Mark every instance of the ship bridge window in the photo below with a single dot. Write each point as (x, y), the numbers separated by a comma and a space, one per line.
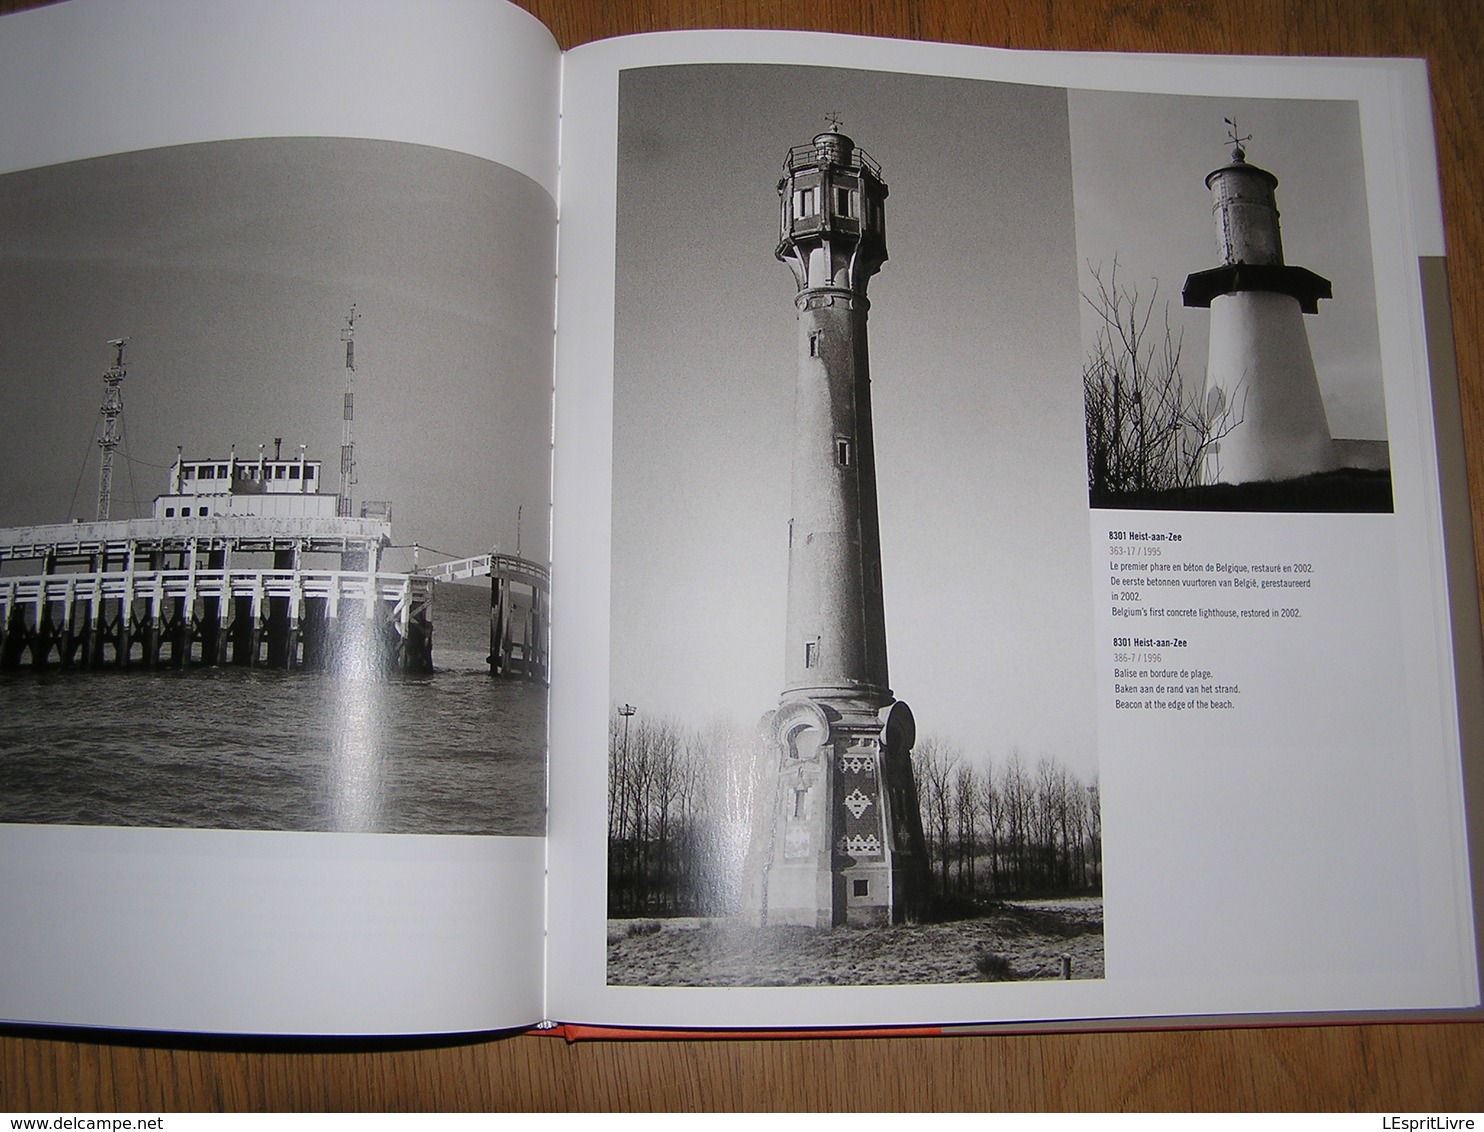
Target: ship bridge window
(221, 471)
(294, 472)
(169, 512)
(185, 512)
(205, 511)
(208, 473)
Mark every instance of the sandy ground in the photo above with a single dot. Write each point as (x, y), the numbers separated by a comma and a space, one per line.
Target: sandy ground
(1016, 940)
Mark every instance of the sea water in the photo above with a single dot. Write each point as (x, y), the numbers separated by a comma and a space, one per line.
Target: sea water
(234, 748)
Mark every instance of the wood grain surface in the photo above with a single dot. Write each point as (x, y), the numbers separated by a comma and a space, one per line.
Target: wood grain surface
(1426, 1066)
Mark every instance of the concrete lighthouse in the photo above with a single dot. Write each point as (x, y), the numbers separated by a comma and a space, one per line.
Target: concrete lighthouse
(838, 838)
(1262, 397)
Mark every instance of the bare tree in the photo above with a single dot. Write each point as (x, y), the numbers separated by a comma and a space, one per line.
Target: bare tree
(1146, 429)
(966, 811)
(679, 799)
(992, 806)
(933, 764)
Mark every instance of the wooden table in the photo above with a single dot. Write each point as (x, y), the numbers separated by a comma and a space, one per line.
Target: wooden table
(1376, 1067)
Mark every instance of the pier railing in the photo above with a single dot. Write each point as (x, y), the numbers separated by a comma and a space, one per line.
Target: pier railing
(116, 539)
(520, 601)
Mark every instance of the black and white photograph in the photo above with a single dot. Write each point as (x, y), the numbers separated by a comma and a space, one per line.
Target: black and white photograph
(1231, 354)
(852, 734)
(274, 489)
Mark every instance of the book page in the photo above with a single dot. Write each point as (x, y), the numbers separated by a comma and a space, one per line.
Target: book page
(275, 506)
(900, 711)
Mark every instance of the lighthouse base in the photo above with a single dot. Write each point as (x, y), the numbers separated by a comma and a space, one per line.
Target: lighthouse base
(838, 838)
(1261, 404)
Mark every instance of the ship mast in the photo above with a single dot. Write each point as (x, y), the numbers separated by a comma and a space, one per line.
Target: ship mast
(347, 439)
(111, 411)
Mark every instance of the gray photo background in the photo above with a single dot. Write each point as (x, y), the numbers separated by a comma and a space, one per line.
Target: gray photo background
(975, 362)
(1139, 164)
(231, 267)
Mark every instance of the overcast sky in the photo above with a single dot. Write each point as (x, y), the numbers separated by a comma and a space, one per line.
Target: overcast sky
(1140, 163)
(975, 351)
(231, 267)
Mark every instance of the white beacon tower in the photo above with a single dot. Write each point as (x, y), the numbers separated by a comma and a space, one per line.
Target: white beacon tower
(1262, 394)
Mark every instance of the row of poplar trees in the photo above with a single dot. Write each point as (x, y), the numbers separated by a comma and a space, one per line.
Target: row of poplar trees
(680, 803)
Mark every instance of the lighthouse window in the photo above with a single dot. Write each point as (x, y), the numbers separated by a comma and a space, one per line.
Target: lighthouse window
(811, 653)
(814, 337)
(842, 201)
(842, 451)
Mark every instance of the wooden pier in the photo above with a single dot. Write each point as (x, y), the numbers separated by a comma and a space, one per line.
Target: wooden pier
(520, 609)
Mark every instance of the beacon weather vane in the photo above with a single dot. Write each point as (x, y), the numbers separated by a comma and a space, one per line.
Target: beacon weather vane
(1238, 152)
(835, 121)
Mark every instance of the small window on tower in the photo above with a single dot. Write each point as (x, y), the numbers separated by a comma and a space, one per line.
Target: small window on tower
(814, 337)
(811, 653)
(842, 201)
(861, 888)
(843, 455)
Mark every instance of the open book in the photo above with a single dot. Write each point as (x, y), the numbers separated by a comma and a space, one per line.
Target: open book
(375, 659)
